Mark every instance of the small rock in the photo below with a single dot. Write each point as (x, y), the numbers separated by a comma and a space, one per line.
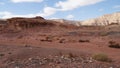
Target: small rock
(90, 61)
(17, 67)
(27, 45)
(58, 67)
(29, 58)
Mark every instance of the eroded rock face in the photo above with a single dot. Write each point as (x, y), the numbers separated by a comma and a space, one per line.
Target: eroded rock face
(104, 20)
(2, 24)
(24, 23)
(19, 23)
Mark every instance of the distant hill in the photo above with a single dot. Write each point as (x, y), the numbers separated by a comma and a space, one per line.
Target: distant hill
(103, 20)
(20, 23)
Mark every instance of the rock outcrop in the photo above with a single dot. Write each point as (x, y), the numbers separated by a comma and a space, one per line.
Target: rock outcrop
(20, 23)
(3, 24)
(24, 23)
(104, 20)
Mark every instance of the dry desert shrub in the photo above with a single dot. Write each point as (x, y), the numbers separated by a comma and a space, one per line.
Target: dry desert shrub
(71, 55)
(68, 55)
(81, 40)
(1, 55)
(62, 41)
(101, 57)
(113, 44)
(47, 39)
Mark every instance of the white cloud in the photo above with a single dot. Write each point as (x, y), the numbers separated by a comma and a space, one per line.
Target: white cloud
(6, 14)
(70, 17)
(116, 6)
(54, 18)
(18, 1)
(72, 4)
(47, 11)
(67, 5)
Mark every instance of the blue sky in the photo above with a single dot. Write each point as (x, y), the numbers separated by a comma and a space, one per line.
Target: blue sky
(65, 9)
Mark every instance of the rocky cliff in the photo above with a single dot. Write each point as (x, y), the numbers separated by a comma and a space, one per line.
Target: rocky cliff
(3, 23)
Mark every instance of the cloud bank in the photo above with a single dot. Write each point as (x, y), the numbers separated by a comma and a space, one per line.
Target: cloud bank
(61, 6)
(72, 4)
(19, 1)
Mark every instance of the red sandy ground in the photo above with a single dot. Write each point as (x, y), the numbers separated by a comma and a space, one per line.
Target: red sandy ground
(27, 44)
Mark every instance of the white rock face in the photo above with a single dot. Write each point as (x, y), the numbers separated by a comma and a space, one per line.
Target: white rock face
(104, 20)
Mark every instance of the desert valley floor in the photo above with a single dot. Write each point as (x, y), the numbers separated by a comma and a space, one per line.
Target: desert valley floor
(40, 43)
(58, 48)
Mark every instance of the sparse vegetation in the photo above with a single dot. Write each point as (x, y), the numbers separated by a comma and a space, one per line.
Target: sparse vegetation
(101, 57)
(81, 40)
(1, 54)
(70, 55)
(27, 45)
(48, 39)
(62, 41)
(42, 40)
(9, 53)
(113, 44)
(39, 43)
(103, 34)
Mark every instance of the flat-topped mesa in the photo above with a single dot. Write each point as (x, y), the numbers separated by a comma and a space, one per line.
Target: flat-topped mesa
(25, 20)
(19, 23)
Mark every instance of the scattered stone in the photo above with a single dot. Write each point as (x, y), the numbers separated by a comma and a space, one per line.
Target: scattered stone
(57, 62)
(62, 41)
(9, 53)
(27, 45)
(1, 54)
(58, 67)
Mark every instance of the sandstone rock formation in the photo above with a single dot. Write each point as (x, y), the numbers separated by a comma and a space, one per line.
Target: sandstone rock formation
(20, 23)
(3, 24)
(24, 23)
(104, 20)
